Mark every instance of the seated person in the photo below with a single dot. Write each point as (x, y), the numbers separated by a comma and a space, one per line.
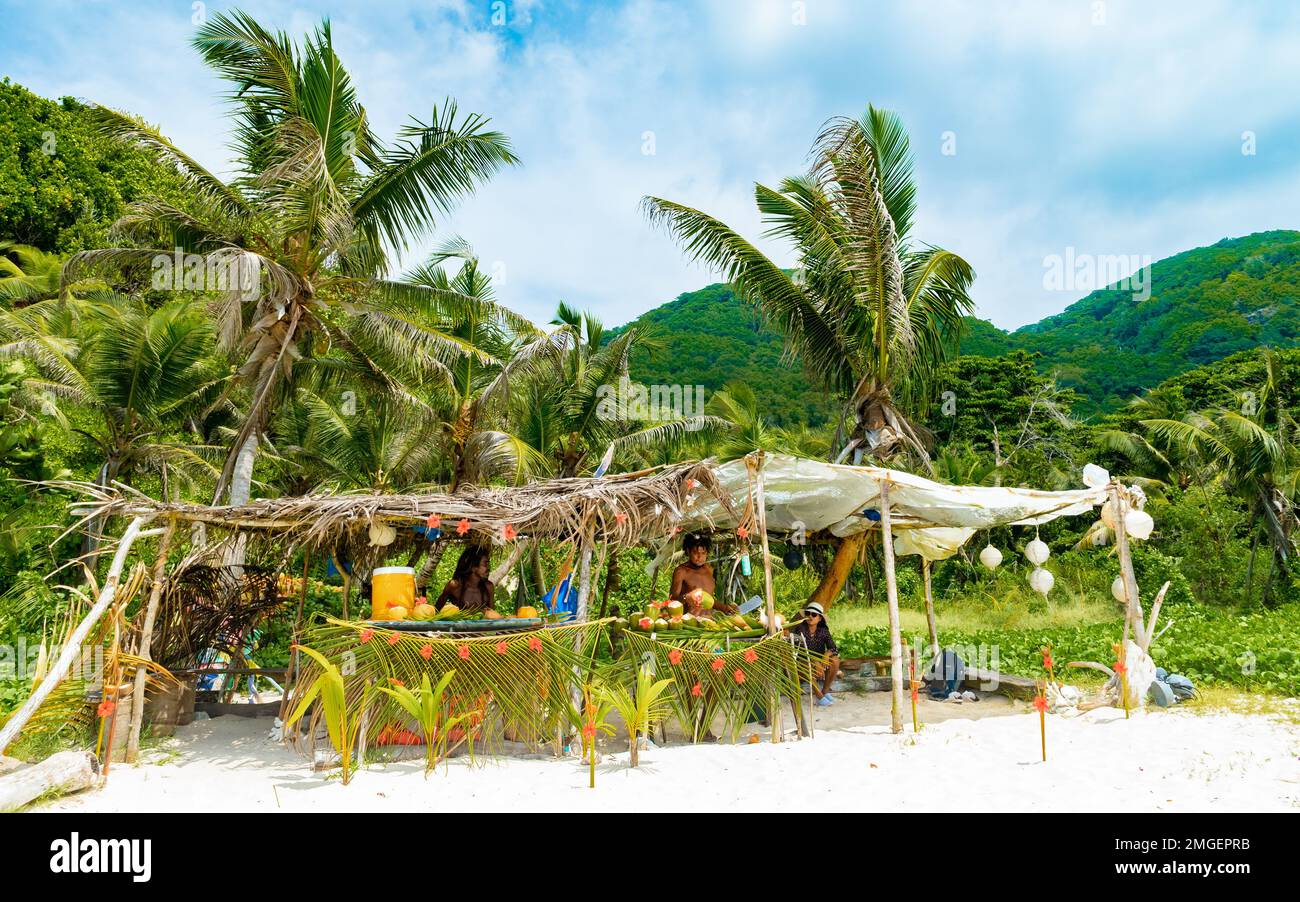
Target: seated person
(817, 634)
(695, 574)
(469, 588)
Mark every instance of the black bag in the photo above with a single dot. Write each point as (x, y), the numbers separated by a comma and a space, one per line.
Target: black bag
(946, 674)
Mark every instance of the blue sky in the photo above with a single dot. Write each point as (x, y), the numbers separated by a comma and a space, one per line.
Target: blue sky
(1108, 127)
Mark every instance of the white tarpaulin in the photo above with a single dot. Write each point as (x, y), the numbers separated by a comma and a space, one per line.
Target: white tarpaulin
(809, 496)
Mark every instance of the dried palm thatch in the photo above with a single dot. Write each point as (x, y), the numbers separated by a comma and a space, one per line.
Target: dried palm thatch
(622, 509)
(205, 607)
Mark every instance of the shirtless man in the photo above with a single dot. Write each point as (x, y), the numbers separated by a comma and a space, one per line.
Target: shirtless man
(696, 573)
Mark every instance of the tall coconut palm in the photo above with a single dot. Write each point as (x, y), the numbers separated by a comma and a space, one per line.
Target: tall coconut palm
(870, 312)
(317, 205)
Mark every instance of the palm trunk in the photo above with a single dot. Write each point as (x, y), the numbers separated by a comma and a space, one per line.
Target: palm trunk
(846, 555)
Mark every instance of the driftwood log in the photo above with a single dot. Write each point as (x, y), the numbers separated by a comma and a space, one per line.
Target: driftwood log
(63, 772)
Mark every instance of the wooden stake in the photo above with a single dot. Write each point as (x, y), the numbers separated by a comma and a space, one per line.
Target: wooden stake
(929, 609)
(146, 642)
(891, 591)
(72, 648)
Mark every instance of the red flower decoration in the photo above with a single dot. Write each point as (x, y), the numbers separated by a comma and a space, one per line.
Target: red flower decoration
(434, 521)
(915, 694)
(534, 643)
(502, 647)
(675, 657)
(742, 532)
(426, 652)
(674, 531)
(1040, 704)
(394, 638)
(366, 636)
(1119, 667)
(621, 518)
(718, 664)
(589, 731)
(395, 681)
(750, 656)
(508, 532)
(738, 676)
(106, 707)
(462, 527)
(696, 690)
(690, 483)
(463, 651)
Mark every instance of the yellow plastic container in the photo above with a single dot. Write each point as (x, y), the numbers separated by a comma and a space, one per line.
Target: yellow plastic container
(390, 586)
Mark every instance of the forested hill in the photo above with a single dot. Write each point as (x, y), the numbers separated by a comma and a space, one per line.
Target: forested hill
(1204, 305)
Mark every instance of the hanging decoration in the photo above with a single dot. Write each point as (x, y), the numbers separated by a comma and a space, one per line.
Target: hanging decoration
(382, 534)
(1041, 581)
(1037, 551)
(990, 557)
(1117, 590)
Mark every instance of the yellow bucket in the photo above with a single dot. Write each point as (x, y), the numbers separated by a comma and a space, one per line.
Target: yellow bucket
(390, 586)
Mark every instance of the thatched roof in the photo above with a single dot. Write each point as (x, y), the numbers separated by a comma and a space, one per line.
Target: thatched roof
(622, 509)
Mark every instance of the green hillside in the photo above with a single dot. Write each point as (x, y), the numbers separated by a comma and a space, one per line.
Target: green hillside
(1205, 304)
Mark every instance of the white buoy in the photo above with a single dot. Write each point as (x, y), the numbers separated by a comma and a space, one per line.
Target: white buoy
(381, 533)
(1138, 524)
(990, 557)
(1117, 590)
(1041, 581)
(1037, 552)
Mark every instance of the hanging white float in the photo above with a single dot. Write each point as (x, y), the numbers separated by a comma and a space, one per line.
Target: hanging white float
(1138, 524)
(1117, 590)
(1041, 581)
(990, 557)
(381, 533)
(1037, 552)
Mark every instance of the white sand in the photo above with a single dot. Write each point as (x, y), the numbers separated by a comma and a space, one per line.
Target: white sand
(1173, 760)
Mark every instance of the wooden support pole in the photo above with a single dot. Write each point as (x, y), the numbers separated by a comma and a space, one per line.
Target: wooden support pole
(929, 609)
(146, 643)
(891, 590)
(769, 591)
(1133, 608)
(72, 649)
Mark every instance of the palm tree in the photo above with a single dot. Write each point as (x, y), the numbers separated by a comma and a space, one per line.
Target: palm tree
(137, 371)
(1251, 453)
(29, 274)
(316, 206)
(869, 312)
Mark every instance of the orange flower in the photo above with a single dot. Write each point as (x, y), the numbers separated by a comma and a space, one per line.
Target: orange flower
(742, 532)
(395, 681)
(462, 527)
(690, 484)
(463, 651)
(508, 532)
(738, 676)
(534, 643)
(426, 652)
(675, 657)
(366, 636)
(621, 518)
(502, 647)
(718, 664)
(750, 656)
(696, 690)
(915, 694)
(434, 521)
(1119, 667)
(1040, 704)
(106, 707)
(589, 731)
(394, 638)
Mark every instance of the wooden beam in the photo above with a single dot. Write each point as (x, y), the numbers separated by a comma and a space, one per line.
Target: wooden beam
(891, 589)
(760, 510)
(146, 643)
(1133, 607)
(72, 649)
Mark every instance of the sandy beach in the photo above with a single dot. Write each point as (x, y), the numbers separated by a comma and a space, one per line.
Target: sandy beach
(976, 756)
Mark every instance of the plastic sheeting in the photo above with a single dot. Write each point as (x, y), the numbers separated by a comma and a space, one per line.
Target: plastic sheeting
(807, 496)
